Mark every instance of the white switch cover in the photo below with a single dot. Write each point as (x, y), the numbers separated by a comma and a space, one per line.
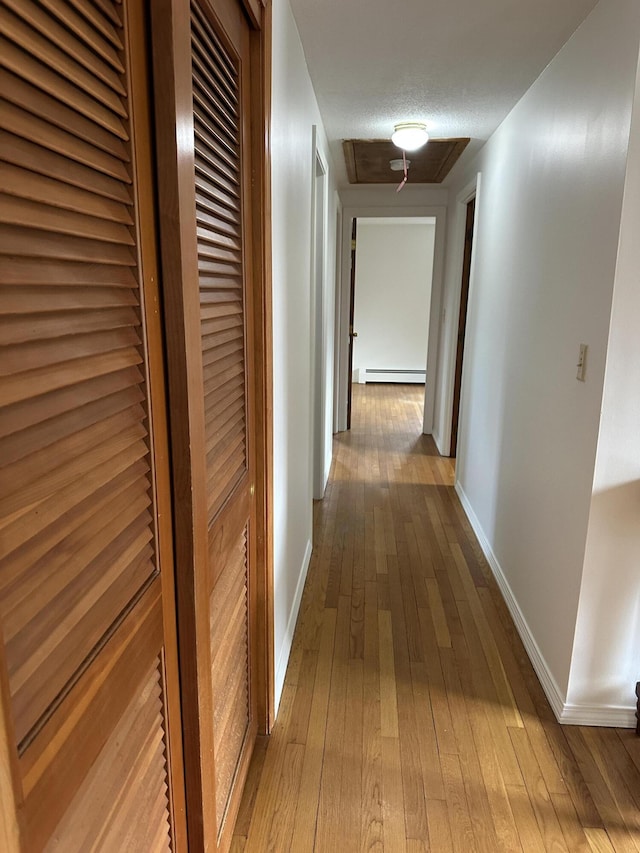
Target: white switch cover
(582, 362)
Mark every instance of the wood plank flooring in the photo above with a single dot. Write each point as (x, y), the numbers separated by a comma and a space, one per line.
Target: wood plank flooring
(411, 719)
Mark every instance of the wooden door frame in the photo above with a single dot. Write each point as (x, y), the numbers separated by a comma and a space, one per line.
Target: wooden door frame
(352, 307)
(462, 322)
(342, 310)
(317, 284)
(173, 97)
(469, 191)
(261, 47)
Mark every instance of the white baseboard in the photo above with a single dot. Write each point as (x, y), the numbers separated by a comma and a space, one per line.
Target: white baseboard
(611, 716)
(569, 714)
(285, 650)
(438, 442)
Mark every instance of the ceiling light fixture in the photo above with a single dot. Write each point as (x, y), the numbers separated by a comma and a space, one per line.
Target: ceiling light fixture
(410, 135)
(398, 164)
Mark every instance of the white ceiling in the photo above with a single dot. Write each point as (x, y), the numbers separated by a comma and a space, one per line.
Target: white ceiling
(458, 65)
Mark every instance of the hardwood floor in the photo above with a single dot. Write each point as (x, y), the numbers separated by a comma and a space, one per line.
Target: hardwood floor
(411, 719)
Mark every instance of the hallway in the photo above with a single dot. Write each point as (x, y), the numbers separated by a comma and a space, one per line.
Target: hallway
(411, 718)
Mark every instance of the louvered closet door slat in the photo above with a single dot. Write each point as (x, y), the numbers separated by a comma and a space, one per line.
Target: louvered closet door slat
(220, 70)
(13, 241)
(57, 518)
(23, 330)
(102, 13)
(218, 215)
(214, 114)
(78, 25)
(24, 184)
(217, 145)
(39, 436)
(222, 335)
(16, 211)
(209, 219)
(224, 396)
(213, 132)
(74, 294)
(42, 162)
(68, 43)
(212, 185)
(46, 108)
(76, 280)
(62, 63)
(211, 313)
(221, 238)
(215, 204)
(222, 330)
(71, 147)
(224, 87)
(222, 64)
(229, 642)
(79, 551)
(203, 170)
(39, 75)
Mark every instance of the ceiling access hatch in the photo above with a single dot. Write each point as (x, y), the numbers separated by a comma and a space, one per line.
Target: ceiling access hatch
(368, 160)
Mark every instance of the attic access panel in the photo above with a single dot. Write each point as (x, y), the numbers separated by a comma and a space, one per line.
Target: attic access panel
(368, 160)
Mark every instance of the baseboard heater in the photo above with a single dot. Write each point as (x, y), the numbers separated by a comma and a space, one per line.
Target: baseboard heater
(384, 375)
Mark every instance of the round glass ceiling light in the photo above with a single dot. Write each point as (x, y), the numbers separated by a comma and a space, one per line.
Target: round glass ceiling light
(410, 135)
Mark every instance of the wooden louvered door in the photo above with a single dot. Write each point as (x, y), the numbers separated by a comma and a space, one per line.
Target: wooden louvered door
(90, 746)
(203, 75)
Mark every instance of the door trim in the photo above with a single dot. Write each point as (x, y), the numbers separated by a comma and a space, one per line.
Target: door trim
(261, 49)
(462, 322)
(450, 327)
(318, 291)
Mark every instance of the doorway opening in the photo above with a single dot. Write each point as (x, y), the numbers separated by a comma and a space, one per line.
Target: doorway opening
(343, 337)
(390, 301)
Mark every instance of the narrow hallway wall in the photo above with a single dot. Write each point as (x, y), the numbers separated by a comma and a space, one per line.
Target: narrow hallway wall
(549, 213)
(295, 112)
(606, 656)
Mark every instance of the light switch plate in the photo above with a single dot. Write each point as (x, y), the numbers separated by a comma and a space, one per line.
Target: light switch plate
(582, 363)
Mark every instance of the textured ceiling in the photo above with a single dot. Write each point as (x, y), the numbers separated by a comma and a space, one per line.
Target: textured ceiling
(458, 65)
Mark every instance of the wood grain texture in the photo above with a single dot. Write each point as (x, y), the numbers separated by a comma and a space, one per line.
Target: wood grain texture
(204, 70)
(104, 814)
(171, 35)
(230, 662)
(367, 160)
(62, 589)
(86, 574)
(409, 703)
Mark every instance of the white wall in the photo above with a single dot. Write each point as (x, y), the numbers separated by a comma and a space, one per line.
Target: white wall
(548, 217)
(394, 267)
(606, 658)
(294, 114)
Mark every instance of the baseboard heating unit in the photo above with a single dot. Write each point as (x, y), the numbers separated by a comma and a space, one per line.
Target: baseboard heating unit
(383, 375)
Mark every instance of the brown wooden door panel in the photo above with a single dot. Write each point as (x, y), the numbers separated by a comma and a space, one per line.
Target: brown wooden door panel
(59, 764)
(88, 652)
(203, 81)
